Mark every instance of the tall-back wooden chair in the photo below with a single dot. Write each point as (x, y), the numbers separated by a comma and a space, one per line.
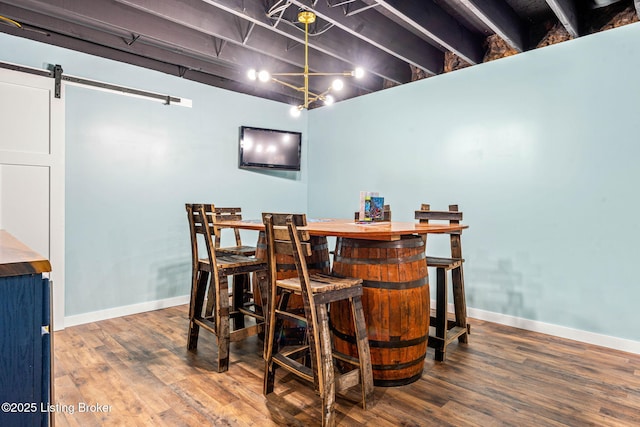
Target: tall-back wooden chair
(445, 330)
(212, 271)
(242, 293)
(312, 360)
(230, 214)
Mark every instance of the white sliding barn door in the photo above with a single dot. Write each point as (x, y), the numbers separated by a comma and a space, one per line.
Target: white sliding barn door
(32, 171)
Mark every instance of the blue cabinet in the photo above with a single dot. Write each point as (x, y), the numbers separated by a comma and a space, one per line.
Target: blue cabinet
(25, 351)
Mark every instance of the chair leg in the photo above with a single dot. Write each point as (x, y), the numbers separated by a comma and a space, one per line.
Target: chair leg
(441, 314)
(364, 355)
(211, 301)
(222, 323)
(198, 287)
(459, 302)
(270, 341)
(195, 278)
(326, 375)
(262, 282)
(240, 283)
(269, 377)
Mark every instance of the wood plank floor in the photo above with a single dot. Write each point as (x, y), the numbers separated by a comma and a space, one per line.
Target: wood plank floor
(139, 366)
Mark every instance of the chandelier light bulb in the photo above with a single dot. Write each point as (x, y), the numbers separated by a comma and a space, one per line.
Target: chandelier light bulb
(307, 17)
(295, 111)
(264, 76)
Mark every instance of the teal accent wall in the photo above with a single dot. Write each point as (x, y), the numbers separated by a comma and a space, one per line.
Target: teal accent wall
(132, 164)
(541, 152)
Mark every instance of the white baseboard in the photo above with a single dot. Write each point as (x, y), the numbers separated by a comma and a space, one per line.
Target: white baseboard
(110, 313)
(551, 329)
(489, 316)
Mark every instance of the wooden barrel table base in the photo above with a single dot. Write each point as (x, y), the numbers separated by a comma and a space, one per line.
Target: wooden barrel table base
(396, 303)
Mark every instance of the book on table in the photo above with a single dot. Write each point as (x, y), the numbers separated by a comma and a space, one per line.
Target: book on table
(371, 207)
(376, 209)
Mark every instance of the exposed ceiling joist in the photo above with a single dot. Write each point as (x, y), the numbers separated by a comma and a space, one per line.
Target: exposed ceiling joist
(394, 40)
(349, 50)
(217, 41)
(152, 30)
(565, 10)
(433, 24)
(96, 42)
(272, 51)
(143, 56)
(502, 20)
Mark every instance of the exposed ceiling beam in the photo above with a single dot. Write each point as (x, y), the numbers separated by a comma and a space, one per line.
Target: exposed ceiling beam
(434, 24)
(116, 19)
(119, 20)
(356, 52)
(216, 41)
(149, 29)
(502, 20)
(95, 42)
(242, 32)
(250, 45)
(375, 29)
(566, 12)
(161, 66)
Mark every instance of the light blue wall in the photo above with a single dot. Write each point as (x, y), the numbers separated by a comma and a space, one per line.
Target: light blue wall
(131, 165)
(541, 152)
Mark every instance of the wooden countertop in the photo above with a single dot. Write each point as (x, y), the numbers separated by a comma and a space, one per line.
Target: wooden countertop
(389, 230)
(17, 259)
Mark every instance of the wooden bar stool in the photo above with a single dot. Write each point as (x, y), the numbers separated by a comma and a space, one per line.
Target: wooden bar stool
(241, 284)
(447, 330)
(213, 271)
(312, 360)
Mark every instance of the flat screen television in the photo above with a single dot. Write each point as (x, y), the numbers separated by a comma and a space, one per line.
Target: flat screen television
(269, 149)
